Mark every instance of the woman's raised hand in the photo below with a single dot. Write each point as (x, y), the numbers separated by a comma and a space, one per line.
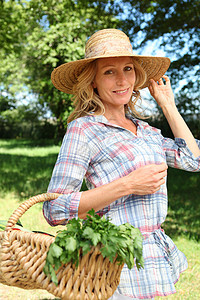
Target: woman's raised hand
(162, 91)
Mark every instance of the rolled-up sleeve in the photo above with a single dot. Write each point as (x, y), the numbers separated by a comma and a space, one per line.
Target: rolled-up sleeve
(179, 156)
(69, 171)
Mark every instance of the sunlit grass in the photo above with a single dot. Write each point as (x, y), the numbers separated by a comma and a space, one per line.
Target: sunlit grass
(25, 171)
(32, 219)
(188, 286)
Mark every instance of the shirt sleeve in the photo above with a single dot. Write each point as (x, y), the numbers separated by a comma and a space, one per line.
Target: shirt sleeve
(179, 156)
(69, 171)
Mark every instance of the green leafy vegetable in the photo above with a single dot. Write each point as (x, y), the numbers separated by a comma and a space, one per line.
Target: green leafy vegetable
(125, 241)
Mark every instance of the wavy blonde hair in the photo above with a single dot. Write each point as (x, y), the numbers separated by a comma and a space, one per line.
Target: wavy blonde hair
(87, 100)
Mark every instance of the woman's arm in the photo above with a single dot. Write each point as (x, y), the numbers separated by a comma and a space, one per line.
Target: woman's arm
(143, 181)
(69, 171)
(163, 95)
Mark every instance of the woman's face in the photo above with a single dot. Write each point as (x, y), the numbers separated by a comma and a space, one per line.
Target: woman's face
(114, 80)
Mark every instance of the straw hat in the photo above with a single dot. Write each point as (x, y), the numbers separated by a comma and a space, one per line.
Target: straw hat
(107, 43)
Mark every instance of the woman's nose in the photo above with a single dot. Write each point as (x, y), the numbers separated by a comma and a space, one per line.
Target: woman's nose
(121, 78)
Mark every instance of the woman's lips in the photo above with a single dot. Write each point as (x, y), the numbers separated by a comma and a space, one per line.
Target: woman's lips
(124, 91)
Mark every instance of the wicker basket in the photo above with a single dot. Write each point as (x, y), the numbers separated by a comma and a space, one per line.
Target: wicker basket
(23, 255)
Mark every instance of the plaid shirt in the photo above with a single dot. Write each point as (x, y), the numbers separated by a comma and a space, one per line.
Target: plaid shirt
(102, 152)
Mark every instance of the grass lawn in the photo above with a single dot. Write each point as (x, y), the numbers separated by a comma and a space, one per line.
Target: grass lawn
(25, 170)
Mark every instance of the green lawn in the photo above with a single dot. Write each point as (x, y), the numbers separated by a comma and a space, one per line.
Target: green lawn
(25, 170)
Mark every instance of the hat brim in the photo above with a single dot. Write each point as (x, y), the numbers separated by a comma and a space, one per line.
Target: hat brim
(65, 76)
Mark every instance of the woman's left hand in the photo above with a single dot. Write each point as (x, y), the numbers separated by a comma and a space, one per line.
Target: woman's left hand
(162, 92)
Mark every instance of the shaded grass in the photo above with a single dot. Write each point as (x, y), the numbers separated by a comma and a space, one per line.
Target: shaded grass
(23, 143)
(26, 167)
(184, 204)
(25, 170)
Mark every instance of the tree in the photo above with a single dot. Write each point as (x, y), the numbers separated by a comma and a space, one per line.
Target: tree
(38, 35)
(175, 26)
(60, 38)
(56, 32)
(12, 26)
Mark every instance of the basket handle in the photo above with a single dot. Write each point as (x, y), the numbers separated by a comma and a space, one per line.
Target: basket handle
(26, 205)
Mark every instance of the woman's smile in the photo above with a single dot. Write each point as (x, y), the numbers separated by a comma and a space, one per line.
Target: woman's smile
(121, 91)
(114, 81)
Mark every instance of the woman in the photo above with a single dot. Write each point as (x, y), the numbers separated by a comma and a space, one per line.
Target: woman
(124, 160)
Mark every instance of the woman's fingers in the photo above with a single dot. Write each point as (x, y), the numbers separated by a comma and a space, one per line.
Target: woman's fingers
(160, 81)
(148, 179)
(166, 79)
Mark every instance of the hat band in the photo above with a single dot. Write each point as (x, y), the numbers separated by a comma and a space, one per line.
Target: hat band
(110, 48)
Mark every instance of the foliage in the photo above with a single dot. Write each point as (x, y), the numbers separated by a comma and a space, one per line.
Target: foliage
(15, 26)
(174, 22)
(12, 26)
(159, 121)
(24, 120)
(49, 33)
(5, 103)
(174, 25)
(125, 241)
(38, 35)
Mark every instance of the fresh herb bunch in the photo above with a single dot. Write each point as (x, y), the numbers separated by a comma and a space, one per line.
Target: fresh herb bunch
(123, 240)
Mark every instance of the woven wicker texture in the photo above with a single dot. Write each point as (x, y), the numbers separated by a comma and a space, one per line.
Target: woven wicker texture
(107, 43)
(23, 255)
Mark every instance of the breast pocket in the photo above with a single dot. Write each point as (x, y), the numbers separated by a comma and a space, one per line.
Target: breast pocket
(127, 153)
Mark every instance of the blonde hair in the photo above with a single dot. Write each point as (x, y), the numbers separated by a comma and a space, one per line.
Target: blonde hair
(86, 99)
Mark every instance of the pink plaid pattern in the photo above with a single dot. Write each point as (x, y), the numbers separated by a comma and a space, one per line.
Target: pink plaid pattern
(101, 152)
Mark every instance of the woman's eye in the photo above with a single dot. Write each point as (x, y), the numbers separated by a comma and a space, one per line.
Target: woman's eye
(108, 72)
(128, 68)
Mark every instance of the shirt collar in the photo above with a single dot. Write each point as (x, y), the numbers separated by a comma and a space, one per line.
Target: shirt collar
(104, 120)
